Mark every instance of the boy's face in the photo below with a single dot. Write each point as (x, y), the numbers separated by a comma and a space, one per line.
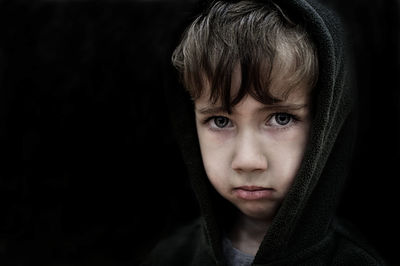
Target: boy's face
(252, 155)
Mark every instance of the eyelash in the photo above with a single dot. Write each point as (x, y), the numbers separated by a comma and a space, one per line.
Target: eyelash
(293, 120)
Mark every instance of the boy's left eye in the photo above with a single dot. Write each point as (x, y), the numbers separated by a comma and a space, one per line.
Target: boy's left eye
(281, 119)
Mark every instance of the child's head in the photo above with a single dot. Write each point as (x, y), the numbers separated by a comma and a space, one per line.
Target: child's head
(249, 70)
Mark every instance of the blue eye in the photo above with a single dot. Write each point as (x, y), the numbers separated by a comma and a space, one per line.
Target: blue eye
(282, 119)
(221, 121)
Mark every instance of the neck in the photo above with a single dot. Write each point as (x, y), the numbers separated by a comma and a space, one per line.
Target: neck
(248, 233)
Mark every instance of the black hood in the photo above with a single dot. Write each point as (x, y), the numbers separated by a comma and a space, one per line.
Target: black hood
(307, 213)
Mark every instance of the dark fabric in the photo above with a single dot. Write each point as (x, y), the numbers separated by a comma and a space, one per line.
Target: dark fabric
(340, 246)
(305, 230)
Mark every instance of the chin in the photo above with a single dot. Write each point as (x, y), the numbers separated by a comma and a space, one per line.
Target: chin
(258, 212)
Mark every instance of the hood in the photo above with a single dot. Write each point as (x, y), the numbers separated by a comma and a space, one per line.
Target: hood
(306, 214)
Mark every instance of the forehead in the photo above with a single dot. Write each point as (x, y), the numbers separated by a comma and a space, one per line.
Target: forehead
(280, 86)
(296, 100)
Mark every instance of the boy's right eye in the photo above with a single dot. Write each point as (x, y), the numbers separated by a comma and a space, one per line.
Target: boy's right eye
(219, 122)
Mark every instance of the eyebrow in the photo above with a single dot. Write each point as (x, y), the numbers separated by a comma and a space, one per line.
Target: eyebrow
(289, 107)
(207, 110)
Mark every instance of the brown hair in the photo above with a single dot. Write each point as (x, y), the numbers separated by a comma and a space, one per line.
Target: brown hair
(259, 38)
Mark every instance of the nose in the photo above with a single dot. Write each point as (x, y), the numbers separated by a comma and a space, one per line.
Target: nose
(248, 155)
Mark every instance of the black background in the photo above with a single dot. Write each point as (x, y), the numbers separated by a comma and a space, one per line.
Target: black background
(90, 172)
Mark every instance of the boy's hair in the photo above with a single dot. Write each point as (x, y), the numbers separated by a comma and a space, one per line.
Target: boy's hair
(259, 38)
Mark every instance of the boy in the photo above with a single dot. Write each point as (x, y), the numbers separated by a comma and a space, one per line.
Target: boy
(266, 137)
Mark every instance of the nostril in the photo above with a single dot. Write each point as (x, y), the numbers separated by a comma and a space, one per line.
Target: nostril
(249, 163)
(248, 155)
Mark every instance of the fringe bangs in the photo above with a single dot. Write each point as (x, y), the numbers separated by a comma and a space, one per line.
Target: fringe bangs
(257, 38)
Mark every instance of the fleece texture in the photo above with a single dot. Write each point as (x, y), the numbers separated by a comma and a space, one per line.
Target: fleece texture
(305, 230)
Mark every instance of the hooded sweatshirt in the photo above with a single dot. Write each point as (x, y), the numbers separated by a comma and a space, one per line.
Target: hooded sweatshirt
(305, 230)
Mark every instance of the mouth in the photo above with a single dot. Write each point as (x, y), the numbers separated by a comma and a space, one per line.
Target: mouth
(253, 192)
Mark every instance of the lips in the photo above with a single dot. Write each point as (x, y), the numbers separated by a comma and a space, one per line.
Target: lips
(253, 192)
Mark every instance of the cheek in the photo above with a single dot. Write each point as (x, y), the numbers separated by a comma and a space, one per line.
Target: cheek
(215, 156)
(286, 166)
(287, 158)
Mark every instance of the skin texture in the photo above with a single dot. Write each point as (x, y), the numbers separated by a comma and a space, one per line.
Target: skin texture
(258, 146)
